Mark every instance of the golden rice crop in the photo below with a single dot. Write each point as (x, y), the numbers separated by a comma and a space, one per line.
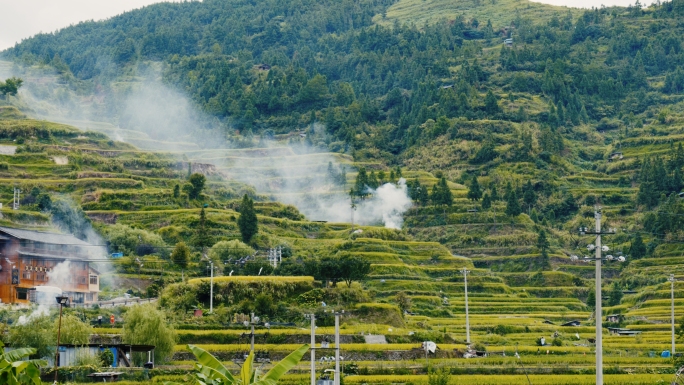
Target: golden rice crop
(618, 379)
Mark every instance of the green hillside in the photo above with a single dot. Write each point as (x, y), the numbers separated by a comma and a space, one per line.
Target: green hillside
(506, 149)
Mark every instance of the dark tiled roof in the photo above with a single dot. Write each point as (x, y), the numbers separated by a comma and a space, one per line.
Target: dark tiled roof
(43, 237)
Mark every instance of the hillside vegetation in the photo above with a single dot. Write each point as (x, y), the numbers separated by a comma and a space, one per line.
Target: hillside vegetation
(507, 148)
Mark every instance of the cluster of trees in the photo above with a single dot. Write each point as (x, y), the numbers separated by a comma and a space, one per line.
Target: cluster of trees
(440, 195)
(660, 178)
(378, 75)
(10, 86)
(143, 324)
(365, 183)
(347, 268)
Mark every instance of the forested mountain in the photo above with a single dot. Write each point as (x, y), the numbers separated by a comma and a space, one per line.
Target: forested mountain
(567, 109)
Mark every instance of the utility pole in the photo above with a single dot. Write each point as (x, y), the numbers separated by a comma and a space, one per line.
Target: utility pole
(313, 349)
(599, 311)
(252, 323)
(15, 199)
(337, 347)
(599, 299)
(672, 282)
(465, 282)
(211, 288)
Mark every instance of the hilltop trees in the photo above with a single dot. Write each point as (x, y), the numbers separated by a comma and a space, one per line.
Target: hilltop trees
(10, 86)
(247, 222)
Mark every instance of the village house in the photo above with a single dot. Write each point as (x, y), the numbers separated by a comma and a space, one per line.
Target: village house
(31, 259)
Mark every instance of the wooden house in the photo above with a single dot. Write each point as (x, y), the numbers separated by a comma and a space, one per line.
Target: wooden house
(31, 259)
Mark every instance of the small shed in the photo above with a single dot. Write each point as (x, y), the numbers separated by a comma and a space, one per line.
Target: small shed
(623, 332)
(613, 318)
(122, 353)
(508, 42)
(572, 323)
(615, 156)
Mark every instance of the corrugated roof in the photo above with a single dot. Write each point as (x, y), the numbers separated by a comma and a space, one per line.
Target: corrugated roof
(43, 236)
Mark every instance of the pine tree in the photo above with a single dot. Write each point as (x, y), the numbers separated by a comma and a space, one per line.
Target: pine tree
(512, 205)
(247, 222)
(474, 191)
(638, 249)
(486, 202)
(361, 184)
(495, 194)
(436, 195)
(202, 238)
(373, 181)
(447, 198)
(543, 243)
(591, 299)
(423, 197)
(491, 104)
(176, 191)
(529, 196)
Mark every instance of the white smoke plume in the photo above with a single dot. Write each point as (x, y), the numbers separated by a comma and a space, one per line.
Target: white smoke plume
(58, 279)
(154, 116)
(42, 310)
(388, 202)
(59, 276)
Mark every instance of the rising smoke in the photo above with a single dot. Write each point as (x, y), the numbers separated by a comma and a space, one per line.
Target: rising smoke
(151, 115)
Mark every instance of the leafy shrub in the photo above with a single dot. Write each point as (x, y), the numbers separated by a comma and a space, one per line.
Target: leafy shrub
(127, 239)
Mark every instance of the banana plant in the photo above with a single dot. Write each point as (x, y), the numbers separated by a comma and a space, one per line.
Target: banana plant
(14, 371)
(210, 371)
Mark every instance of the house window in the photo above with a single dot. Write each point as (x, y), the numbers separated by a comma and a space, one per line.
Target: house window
(93, 279)
(22, 293)
(26, 275)
(40, 276)
(89, 297)
(82, 280)
(77, 297)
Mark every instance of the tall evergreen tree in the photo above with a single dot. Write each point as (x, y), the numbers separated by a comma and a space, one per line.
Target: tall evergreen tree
(202, 237)
(491, 104)
(543, 243)
(512, 205)
(486, 202)
(494, 193)
(360, 188)
(474, 191)
(638, 248)
(247, 222)
(447, 198)
(529, 196)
